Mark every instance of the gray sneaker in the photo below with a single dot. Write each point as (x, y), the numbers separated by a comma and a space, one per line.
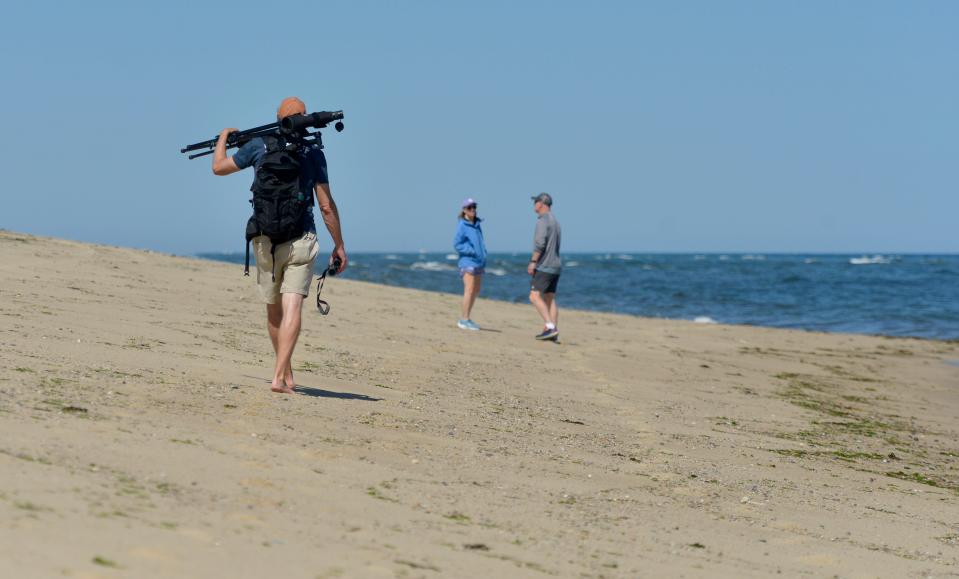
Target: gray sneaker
(548, 334)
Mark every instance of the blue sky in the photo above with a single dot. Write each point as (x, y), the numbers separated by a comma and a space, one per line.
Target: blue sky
(671, 126)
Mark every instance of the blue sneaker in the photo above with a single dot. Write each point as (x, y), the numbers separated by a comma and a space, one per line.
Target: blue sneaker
(548, 334)
(467, 325)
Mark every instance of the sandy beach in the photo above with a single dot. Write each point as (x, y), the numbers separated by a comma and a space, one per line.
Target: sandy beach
(140, 437)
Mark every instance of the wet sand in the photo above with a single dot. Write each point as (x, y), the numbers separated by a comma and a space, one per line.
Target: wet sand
(140, 437)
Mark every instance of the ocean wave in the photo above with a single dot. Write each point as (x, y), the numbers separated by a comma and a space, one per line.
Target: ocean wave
(452, 256)
(431, 266)
(571, 264)
(497, 271)
(699, 257)
(624, 257)
(704, 320)
(866, 260)
(810, 260)
(750, 257)
(723, 258)
(391, 256)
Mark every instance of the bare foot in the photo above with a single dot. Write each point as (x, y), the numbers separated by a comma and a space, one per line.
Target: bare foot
(282, 389)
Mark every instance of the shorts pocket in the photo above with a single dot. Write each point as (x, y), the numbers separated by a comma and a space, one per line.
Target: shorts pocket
(304, 249)
(261, 251)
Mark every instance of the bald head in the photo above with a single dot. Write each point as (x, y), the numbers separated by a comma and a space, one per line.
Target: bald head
(290, 106)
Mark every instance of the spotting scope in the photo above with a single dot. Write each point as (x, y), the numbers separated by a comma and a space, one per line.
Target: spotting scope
(292, 126)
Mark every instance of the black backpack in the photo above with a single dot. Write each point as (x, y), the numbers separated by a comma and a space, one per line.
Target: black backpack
(279, 205)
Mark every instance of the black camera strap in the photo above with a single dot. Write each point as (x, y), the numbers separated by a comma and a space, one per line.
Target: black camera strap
(321, 305)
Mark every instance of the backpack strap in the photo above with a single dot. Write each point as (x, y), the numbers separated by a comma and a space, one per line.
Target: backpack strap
(273, 143)
(270, 143)
(251, 232)
(273, 260)
(246, 266)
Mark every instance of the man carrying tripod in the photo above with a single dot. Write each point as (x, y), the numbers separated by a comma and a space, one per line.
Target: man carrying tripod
(284, 270)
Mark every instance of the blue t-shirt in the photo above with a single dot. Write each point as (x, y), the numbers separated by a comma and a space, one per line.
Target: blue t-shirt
(313, 171)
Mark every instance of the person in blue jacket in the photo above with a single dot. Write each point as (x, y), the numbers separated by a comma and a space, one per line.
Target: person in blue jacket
(471, 248)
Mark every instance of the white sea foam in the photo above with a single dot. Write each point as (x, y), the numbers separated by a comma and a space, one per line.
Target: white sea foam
(497, 271)
(866, 260)
(750, 257)
(452, 256)
(571, 264)
(810, 260)
(431, 266)
(624, 256)
(723, 258)
(704, 320)
(699, 257)
(391, 257)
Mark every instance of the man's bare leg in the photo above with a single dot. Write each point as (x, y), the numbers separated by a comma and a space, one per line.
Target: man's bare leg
(274, 315)
(539, 303)
(287, 334)
(553, 309)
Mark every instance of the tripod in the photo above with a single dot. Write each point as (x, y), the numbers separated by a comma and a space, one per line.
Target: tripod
(293, 125)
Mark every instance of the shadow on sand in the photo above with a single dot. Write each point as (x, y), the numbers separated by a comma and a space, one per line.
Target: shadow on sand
(318, 393)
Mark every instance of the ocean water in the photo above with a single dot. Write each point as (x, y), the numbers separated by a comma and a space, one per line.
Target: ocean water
(897, 295)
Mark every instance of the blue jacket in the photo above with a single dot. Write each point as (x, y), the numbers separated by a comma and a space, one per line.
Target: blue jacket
(469, 243)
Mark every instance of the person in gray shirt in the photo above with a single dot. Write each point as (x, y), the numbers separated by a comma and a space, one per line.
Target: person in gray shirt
(545, 266)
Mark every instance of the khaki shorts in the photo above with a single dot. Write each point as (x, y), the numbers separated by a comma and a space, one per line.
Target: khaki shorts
(294, 266)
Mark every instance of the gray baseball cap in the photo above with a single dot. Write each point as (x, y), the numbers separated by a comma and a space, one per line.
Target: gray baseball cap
(543, 198)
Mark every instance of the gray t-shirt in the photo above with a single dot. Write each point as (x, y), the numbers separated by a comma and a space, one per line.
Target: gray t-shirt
(546, 242)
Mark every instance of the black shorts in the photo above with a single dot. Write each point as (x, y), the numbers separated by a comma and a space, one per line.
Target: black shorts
(545, 283)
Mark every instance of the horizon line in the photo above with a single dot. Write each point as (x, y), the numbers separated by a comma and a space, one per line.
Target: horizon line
(522, 251)
(635, 252)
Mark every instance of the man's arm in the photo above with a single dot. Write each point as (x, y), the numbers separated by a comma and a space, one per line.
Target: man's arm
(223, 165)
(539, 245)
(331, 218)
(531, 268)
